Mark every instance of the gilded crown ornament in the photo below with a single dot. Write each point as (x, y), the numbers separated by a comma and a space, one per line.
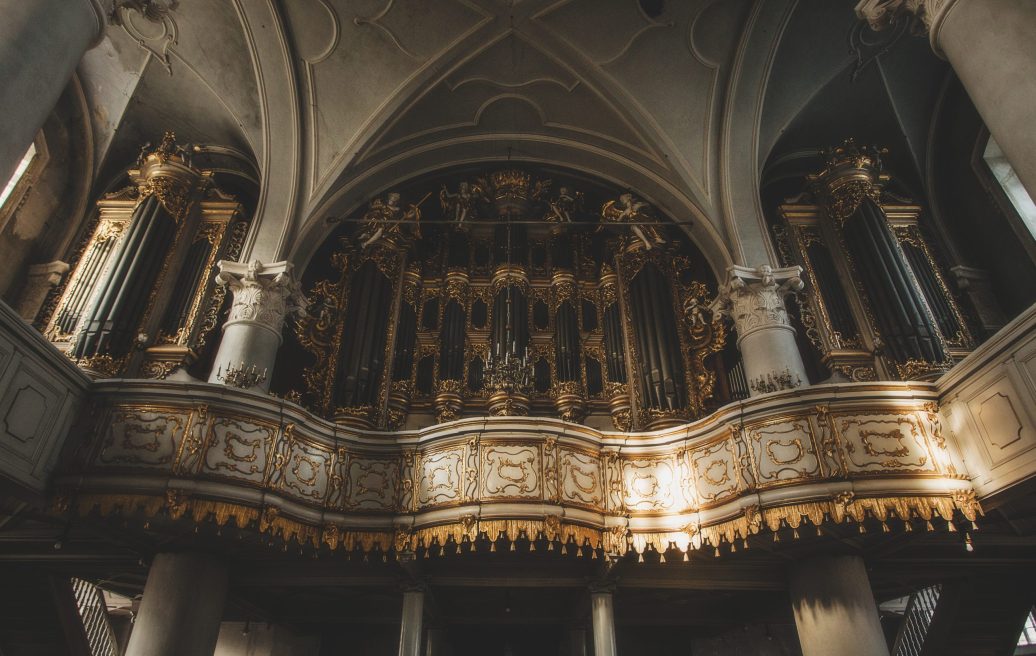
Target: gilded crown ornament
(852, 174)
(166, 172)
(512, 191)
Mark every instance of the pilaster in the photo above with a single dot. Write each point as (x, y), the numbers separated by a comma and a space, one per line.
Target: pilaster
(40, 280)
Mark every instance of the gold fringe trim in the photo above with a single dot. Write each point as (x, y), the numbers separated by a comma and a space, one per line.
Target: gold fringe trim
(844, 508)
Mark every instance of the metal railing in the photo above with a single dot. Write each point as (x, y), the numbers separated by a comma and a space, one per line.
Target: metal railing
(94, 614)
(916, 621)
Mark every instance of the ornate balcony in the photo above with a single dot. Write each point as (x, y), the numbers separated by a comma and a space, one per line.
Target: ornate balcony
(850, 453)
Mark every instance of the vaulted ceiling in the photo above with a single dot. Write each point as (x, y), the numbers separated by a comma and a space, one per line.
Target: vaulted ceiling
(336, 101)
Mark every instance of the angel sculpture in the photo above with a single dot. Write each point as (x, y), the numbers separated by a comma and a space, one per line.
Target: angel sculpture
(565, 207)
(629, 210)
(459, 207)
(388, 220)
(694, 312)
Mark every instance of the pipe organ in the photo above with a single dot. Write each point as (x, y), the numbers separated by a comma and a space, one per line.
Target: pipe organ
(141, 299)
(877, 304)
(508, 299)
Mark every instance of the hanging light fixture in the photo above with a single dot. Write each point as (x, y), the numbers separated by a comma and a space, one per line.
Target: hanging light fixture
(508, 369)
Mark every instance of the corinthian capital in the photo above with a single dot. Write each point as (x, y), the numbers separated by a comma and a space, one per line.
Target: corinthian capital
(754, 298)
(264, 294)
(925, 14)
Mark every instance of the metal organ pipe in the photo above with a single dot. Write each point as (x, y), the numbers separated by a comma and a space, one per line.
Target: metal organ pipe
(363, 338)
(904, 323)
(451, 342)
(119, 307)
(615, 349)
(661, 377)
(566, 340)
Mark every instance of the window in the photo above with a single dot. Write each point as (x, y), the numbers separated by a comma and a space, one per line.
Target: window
(1005, 175)
(19, 173)
(24, 177)
(1028, 636)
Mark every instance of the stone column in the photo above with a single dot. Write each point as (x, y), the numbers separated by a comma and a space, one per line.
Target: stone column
(40, 280)
(182, 607)
(410, 631)
(577, 642)
(835, 611)
(603, 617)
(435, 642)
(41, 43)
(264, 294)
(754, 299)
(989, 43)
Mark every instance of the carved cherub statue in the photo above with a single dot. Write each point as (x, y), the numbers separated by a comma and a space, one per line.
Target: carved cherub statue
(565, 206)
(459, 207)
(388, 220)
(631, 210)
(694, 312)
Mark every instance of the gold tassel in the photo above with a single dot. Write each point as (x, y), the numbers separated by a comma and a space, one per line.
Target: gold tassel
(716, 555)
(950, 527)
(686, 555)
(661, 557)
(885, 528)
(532, 545)
(564, 549)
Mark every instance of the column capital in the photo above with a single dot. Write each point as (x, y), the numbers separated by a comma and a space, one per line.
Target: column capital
(926, 15)
(264, 294)
(754, 297)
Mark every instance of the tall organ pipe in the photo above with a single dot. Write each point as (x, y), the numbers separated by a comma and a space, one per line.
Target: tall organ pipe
(566, 342)
(403, 360)
(903, 320)
(654, 325)
(363, 338)
(519, 320)
(114, 316)
(615, 348)
(451, 342)
(84, 284)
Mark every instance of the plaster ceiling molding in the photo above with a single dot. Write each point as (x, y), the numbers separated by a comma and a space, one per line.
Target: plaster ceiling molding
(669, 69)
(474, 150)
(315, 27)
(513, 85)
(392, 45)
(151, 23)
(213, 97)
(603, 32)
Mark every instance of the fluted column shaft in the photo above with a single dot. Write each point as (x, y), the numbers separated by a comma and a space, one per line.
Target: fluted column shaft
(264, 294)
(41, 43)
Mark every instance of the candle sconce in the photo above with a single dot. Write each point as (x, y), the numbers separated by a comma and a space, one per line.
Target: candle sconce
(241, 377)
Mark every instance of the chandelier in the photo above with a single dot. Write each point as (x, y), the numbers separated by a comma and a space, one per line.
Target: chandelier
(508, 370)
